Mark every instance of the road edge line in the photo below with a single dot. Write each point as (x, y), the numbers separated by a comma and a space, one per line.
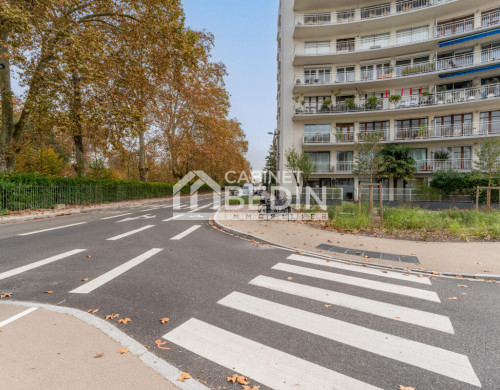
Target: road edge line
(165, 369)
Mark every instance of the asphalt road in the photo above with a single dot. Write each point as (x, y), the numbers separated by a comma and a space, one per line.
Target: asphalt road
(238, 307)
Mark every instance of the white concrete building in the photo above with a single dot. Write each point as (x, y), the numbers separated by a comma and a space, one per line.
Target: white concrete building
(342, 64)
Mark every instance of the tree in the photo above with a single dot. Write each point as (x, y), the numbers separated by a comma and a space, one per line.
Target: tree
(368, 159)
(271, 167)
(398, 164)
(300, 164)
(489, 158)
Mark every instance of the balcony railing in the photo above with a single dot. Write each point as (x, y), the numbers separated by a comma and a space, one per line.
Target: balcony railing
(432, 165)
(321, 167)
(394, 39)
(399, 71)
(344, 167)
(490, 18)
(317, 138)
(365, 13)
(449, 131)
(490, 91)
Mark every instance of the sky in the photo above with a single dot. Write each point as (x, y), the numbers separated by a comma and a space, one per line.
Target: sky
(245, 41)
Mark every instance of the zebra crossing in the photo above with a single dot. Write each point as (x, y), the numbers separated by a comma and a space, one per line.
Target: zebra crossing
(280, 370)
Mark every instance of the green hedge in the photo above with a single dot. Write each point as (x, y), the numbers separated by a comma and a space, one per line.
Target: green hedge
(33, 191)
(451, 182)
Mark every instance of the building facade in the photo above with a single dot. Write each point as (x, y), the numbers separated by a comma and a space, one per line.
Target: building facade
(425, 73)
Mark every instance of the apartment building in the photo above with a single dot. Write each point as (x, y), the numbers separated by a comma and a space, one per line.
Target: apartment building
(425, 73)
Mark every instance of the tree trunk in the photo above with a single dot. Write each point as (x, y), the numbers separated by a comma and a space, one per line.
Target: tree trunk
(77, 126)
(7, 129)
(143, 170)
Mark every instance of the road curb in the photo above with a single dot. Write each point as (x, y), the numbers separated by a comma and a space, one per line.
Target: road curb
(168, 371)
(250, 237)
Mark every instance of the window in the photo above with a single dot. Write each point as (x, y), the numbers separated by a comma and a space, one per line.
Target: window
(414, 34)
(323, 18)
(460, 158)
(453, 125)
(375, 41)
(455, 59)
(321, 161)
(375, 11)
(317, 76)
(314, 103)
(317, 133)
(412, 128)
(490, 122)
(344, 161)
(490, 17)
(420, 157)
(317, 47)
(490, 52)
(408, 66)
(453, 86)
(346, 44)
(345, 16)
(455, 26)
(381, 127)
(345, 74)
(345, 132)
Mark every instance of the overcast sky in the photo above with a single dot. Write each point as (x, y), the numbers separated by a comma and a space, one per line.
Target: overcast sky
(245, 40)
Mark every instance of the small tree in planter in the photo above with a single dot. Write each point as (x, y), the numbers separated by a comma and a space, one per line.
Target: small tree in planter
(300, 164)
(327, 105)
(349, 103)
(423, 131)
(339, 135)
(394, 99)
(441, 155)
(488, 157)
(372, 103)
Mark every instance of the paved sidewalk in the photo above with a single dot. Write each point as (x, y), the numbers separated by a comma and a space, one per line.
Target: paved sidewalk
(45, 350)
(460, 258)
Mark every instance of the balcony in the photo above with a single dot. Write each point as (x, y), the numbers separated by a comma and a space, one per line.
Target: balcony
(317, 138)
(463, 164)
(370, 105)
(441, 65)
(448, 131)
(344, 167)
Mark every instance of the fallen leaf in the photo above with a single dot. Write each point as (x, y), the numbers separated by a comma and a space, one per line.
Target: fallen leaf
(406, 275)
(358, 253)
(385, 272)
(84, 280)
(165, 320)
(6, 295)
(420, 276)
(183, 377)
(99, 355)
(433, 278)
(327, 306)
(123, 351)
(251, 388)
(463, 285)
(290, 278)
(111, 316)
(401, 387)
(243, 380)
(435, 273)
(49, 292)
(398, 318)
(88, 257)
(486, 271)
(124, 321)
(93, 311)
(453, 299)
(160, 344)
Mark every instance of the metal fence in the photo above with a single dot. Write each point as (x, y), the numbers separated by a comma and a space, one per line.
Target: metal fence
(16, 197)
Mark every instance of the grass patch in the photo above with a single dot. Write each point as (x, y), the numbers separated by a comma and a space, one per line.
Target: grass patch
(422, 223)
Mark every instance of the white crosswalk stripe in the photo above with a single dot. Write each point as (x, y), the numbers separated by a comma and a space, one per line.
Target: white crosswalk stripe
(271, 367)
(359, 282)
(120, 236)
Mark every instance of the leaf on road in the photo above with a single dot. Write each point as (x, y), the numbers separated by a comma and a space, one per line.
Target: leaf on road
(251, 388)
(463, 285)
(99, 355)
(327, 306)
(401, 387)
(183, 377)
(88, 256)
(160, 344)
(454, 299)
(165, 320)
(124, 321)
(93, 311)
(290, 278)
(123, 351)
(6, 295)
(49, 292)
(84, 280)
(111, 316)
(238, 378)
(435, 273)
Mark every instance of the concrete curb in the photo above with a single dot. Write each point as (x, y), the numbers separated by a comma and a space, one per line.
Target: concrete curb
(165, 369)
(250, 237)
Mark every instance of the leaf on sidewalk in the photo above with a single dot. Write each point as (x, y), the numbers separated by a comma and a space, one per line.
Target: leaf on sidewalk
(93, 311)
(111, 316)
(123, 351)
(385, 272)
(435, 273)
(124, 321)
(160, 344)
(406, 275)
(420, 276)
(401, 387)
(183, 377)
(165, 320)
(49, 292)
(99, 355)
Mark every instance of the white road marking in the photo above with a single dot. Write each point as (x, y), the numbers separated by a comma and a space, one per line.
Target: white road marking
(130, 233)
(28, 267)
(17, 316)
(114, 273)
(417, 354)
(201, 208)
(271, 367)
(116, 216)
(146, 216)
(359, 269)
(174, 217)
(360, 282)
(185, 233)
(382, 309)
(54, 228)
(154, 208)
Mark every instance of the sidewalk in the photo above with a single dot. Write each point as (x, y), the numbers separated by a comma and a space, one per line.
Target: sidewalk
(47, 350)
(457, 258)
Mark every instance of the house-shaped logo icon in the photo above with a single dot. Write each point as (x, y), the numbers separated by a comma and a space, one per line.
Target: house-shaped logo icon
(203, 179)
